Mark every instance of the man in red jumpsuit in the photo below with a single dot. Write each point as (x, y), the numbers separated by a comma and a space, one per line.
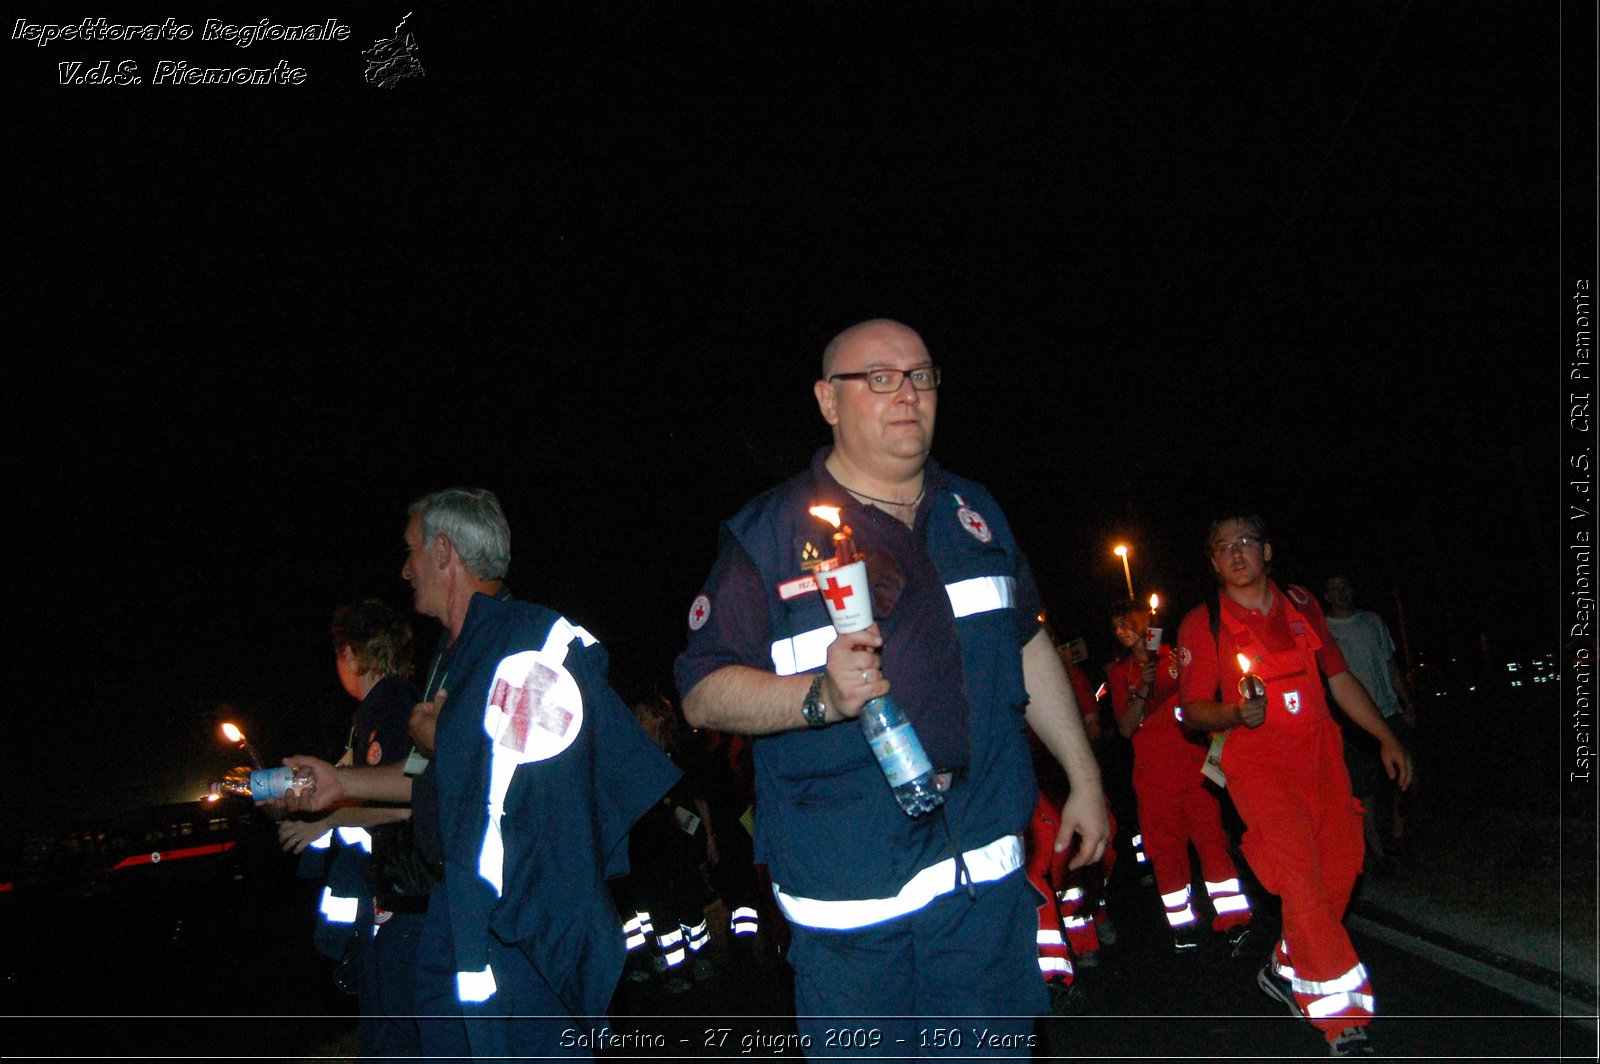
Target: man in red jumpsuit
(1175, 809)
(1285, 768)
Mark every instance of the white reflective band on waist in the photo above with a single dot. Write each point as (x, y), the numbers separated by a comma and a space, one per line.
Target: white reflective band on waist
(802, 653)
(1230, 903)
(1053, 964)
(1227, 886)
(981, 594)
(337, 910)
(1049, 938)
(984, 865)
(1340, 1004)
(355, 837)
(321, 842)
(475, 986)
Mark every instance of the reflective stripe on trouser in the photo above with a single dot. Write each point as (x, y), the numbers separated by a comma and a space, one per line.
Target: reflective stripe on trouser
(984, 865)
(743, 921)
(1055, 962)
(1229, 903)
(1044, 869)
(1179, 912)
(635, 930)
(1305, 844)
(698, 935)
(670, 943)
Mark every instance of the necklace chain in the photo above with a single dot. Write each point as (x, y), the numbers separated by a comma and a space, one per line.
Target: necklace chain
(887, 502)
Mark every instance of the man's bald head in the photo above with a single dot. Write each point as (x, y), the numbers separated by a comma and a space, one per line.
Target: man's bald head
(872, 328)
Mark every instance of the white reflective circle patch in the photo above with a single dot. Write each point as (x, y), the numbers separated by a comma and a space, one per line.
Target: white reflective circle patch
(1184, 657)
(535, 709)
(1291, 701)
(973, 522)
(699, 613)
(1299, 596)
(374, 752)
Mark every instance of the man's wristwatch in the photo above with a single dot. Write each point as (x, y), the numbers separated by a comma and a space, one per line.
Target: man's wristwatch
(812, 709)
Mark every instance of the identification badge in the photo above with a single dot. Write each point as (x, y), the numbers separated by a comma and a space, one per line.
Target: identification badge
(1212, 768)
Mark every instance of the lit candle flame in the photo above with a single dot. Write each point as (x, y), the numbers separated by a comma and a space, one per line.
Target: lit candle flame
(1155, 600)
(1244, 664)
(844, 546)
(1120, 551)
(829, 514)
(233, 733)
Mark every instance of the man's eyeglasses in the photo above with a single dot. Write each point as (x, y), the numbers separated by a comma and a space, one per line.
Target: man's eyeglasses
(887, 381)
(1240, 545)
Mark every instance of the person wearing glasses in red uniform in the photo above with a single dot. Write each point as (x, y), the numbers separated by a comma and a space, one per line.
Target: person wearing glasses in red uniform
(1284, 761)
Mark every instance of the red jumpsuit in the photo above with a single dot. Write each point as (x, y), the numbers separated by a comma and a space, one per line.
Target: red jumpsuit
(1289, 783)
(1066, 905)
(1175, 809)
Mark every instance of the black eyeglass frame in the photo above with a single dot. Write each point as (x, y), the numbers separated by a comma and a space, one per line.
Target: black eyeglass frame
(900, 377)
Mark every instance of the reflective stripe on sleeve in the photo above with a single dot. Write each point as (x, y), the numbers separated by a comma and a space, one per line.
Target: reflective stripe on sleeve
(981, 594)
(802, 653)
(474, 987)
(984, 865)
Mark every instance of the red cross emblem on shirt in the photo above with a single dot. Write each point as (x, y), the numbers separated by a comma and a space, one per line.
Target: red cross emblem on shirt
(836, 592)
(526, 706)
(699, 610)
(973, 522)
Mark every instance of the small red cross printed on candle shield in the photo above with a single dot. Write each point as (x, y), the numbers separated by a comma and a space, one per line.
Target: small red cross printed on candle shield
(836, 592)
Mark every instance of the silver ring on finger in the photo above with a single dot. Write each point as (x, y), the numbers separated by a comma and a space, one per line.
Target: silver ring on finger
(864, 676)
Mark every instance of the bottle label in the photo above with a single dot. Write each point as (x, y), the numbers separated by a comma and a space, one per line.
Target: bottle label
(900, 753)
(266, 783)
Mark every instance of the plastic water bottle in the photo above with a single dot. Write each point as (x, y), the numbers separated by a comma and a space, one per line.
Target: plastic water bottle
(265, 783)
(899, 752)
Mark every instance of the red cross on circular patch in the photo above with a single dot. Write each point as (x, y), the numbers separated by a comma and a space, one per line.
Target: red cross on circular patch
(973, 522)
(699, 613)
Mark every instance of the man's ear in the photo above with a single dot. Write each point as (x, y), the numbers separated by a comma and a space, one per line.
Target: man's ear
(442, 549)
(827, 401)
(1266, 552)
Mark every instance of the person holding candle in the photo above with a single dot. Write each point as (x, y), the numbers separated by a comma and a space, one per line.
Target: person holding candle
(1175, 809)
(893, 916)
(1284, 762)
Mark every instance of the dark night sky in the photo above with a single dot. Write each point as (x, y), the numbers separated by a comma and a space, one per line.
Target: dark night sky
(1173, 258)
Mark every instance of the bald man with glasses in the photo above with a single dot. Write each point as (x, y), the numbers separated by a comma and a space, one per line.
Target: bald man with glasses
(893, 917)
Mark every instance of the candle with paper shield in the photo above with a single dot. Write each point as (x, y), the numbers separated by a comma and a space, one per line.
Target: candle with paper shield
(1152, 634)
(1251, 686)
(842, 582)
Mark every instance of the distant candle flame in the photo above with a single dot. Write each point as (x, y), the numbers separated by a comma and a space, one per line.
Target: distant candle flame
(1244, 663)
(1155, 600)
(1120, 551)
(233, 733)
(829, 514)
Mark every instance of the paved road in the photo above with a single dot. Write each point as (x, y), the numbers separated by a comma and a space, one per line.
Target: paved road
(1147, 1003)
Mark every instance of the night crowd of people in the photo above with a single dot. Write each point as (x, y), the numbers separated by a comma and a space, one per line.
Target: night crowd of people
(507, 840)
